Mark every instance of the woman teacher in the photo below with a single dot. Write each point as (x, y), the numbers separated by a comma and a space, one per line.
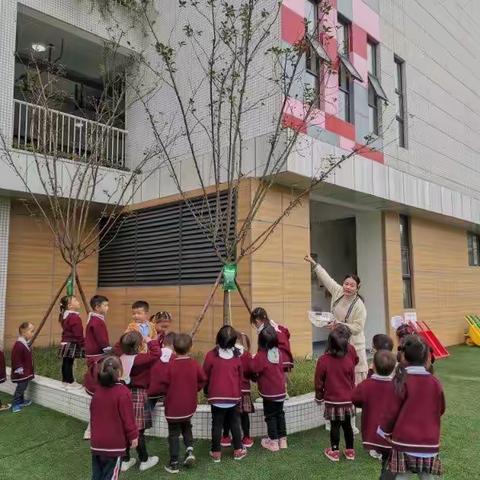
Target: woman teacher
(347, 307)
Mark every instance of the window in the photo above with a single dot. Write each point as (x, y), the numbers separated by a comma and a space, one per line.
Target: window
(473, 249)
(407, 274)
(401, 107)
(315, 53)
(375, 90)
(346, 72)
(162, 245)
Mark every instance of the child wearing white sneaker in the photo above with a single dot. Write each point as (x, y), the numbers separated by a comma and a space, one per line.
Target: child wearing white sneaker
(268, 366)
(334, 384)
(72, 345)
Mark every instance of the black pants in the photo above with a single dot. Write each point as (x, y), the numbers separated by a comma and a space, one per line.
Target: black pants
(174, 431)
(105, 468)
(275, 419)
(347, 431)
(67, 370)
(386, 474)
(18, 396)
(141, 449)
(244, 422)
(219, 417)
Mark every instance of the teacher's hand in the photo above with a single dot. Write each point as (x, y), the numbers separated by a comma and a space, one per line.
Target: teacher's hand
(308, 258)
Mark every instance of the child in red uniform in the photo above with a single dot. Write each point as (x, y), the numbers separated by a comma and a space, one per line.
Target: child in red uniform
(159, 370)
(73, 342)
(267, 365)
(246, 404)
(412, 422)
(136, 375)
(163, 323)
(184, 379)
(380, 342)
(223, 369)
(334, 384)
(259, 319)
(372, 395)
(113, 423)
(3, 379)
(97, 344)
(22, 366)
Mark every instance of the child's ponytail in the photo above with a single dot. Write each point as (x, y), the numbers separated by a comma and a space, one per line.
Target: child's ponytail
(64, 301)
(110, 371)
(399, 380)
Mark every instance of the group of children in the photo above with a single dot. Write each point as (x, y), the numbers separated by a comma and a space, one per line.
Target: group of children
(401, 400)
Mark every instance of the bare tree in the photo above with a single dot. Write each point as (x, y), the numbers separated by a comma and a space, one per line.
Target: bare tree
(229, 47)
(76, 161)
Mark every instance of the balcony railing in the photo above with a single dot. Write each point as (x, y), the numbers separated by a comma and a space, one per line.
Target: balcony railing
(60, 134)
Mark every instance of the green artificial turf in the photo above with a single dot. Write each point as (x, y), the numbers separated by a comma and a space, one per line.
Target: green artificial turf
(39, 444)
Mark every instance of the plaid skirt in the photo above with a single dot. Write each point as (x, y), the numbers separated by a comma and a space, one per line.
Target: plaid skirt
(401, 462)
(141, 408)
(246, 404)
(71, 350)
(338, 412)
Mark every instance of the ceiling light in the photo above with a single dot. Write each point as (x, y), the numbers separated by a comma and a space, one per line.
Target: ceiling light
(39, 47)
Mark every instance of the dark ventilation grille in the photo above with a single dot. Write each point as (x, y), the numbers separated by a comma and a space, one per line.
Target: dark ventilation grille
(161, 246)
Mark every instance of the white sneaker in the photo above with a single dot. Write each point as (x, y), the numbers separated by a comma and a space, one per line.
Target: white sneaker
(374, 454)
(151, 462)
(328, 425)
(87, 434)
(129, 464)
(74, 386)
(65, 385)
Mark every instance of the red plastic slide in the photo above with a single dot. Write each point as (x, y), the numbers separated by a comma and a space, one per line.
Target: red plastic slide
(439, 351)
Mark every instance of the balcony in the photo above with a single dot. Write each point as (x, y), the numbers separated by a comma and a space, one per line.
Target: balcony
(69, 93)
(52, 132)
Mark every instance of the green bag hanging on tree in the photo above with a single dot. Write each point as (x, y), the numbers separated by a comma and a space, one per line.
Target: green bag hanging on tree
(70, 287)
(229, 276)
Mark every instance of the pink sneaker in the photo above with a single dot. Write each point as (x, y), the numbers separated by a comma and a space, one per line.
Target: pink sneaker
(333, 455)
(349, 454)
(226, 442)
(270, 444)
(216, 456)
(282, 443)
(239, 454)
(247, 442)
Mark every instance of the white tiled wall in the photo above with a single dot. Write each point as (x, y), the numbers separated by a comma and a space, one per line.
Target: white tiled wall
(4, 229)
(302, 413)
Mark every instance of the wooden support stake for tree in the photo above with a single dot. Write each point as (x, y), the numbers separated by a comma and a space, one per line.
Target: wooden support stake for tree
(245, 302)
(82, 293)
(50, 308)
(205, 306)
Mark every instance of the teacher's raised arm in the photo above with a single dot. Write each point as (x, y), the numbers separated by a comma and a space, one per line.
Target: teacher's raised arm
(324, 278)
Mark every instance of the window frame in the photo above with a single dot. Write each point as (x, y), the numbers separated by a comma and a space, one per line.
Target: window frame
(375, 89)
(406, 256)
(473, 249)
(401, 104)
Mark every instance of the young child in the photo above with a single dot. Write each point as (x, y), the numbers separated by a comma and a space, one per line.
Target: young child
(159, 370)
(402, 332)
(136, 375)
(259, 319)
(3, 379)
(73, 342)
(380, 342)
(113, 422)
(141, 322)
(97, 344)
(22, 366)
(267, 366)
(334, 384)
(163, 323)
(371, 396)
(184, 379)
(412, 423)
(223, 369)
(246, 404)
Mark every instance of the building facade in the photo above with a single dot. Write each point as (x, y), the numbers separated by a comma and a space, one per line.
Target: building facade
(404, 212)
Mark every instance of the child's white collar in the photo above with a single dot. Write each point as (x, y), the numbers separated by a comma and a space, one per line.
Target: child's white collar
(95, 314)
(66, 313)
(383, 378)
(417, 370)
(24, 341)
(225, 353)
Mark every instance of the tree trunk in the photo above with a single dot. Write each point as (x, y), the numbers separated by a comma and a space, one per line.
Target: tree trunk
(226, 308)
(82, 294)
(205, 306)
